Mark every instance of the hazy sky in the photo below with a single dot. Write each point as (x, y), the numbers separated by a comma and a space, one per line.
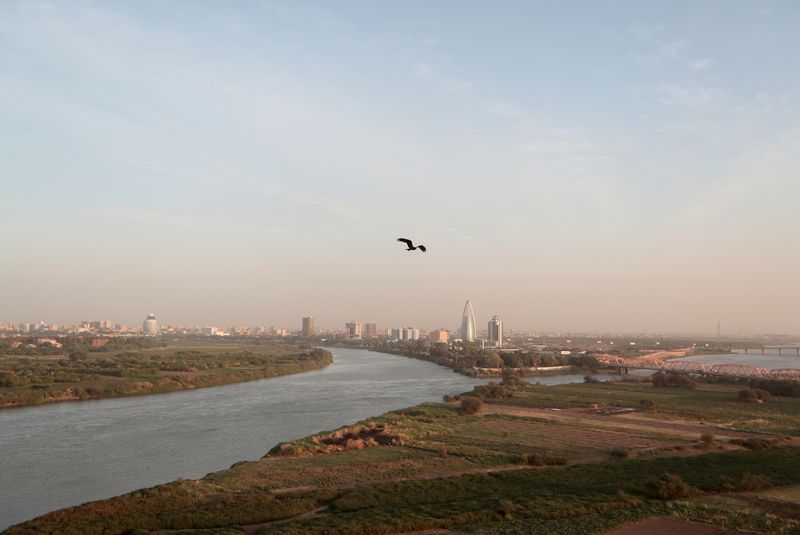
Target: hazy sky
(615, 165)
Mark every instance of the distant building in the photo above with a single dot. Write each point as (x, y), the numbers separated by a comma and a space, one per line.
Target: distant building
(496, 330)
(409, 333)
(468, 328)
(370, 330)
(308, 326)
(354, 330)
(150, 326)
(439, 336)
(397, 334)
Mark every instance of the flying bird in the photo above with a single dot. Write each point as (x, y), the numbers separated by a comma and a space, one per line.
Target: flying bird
(411, 246)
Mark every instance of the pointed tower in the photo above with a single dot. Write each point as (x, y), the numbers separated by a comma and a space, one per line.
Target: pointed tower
(468, 329)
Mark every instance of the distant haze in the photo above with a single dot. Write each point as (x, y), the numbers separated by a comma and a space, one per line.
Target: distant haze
(613, 166)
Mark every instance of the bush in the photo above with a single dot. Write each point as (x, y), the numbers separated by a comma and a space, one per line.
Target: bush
(754, 395)
(492, 390)
(754, 444)
(753, 482)
(706, 440)
(541, 459)
(673, 379)
(589, 379)
(78, 356)
(647, 404)
(507, 507)
(667, 487)
(619, 454)
(447, 398)
(778, 388)
(513, 381)
(470, 405)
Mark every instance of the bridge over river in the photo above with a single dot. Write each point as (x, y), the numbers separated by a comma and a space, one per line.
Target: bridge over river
(789, 348)
(686, 366)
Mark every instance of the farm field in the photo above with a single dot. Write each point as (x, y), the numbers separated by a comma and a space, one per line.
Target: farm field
(519, 465)
(83, 373)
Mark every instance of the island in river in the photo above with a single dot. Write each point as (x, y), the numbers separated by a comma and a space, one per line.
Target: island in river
(504, 458)
(135, 369)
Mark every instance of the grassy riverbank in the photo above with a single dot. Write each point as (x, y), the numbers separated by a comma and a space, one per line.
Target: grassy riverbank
(38, 379)
(563, 459)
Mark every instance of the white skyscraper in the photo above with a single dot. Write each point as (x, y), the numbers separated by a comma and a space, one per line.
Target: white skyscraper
(468, 328)
(150, 326)
(496, 329)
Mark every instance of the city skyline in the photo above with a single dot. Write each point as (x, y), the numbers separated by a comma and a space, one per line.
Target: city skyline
(368, 327)
(618, 167)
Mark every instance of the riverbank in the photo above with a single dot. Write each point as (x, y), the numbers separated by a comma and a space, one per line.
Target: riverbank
(64, 454)
(37, 380)
(485, 364)
(579, 458)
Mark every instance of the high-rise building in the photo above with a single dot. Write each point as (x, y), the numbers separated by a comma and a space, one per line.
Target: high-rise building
(468, 327)
(409, 333)
(397, 334)
(150, 325)
(353, 329)
(308, 326)
(496, 330)
(370, 330)
(439, 336)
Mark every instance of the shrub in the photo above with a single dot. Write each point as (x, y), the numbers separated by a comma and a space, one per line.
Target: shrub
(447, 398)
(706, 440)
(667, 487)
(541, 459)
(753, 482)
(507, 507)
(77, 356)
(647, 404)
(619, 454)
(673, 379)
(778, 388)
(492, 390)
(513, 381)
(755, 444)
(470, 405)
(754, 395)
(589, 379)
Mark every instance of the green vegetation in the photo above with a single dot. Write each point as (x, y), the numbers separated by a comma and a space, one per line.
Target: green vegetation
(82, 375)
(470, 405)
(711, 403)
(673, 379)
(755, 395)
(466, 358)
(509, 468)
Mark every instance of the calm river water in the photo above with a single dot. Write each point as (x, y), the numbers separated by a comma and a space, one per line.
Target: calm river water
(69, 453)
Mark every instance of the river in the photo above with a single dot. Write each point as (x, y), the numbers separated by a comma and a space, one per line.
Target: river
(65, 454)
(769, 361)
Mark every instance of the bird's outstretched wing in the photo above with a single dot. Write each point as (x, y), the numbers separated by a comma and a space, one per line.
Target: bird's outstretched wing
(422, 248)
(406, 241)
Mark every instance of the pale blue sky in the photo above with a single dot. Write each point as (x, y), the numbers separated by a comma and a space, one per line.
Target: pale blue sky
(623, 166)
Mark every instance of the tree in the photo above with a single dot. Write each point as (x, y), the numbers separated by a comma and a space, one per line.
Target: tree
(494, 361)
(78, 355)
(668, 487)
(470, 405)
